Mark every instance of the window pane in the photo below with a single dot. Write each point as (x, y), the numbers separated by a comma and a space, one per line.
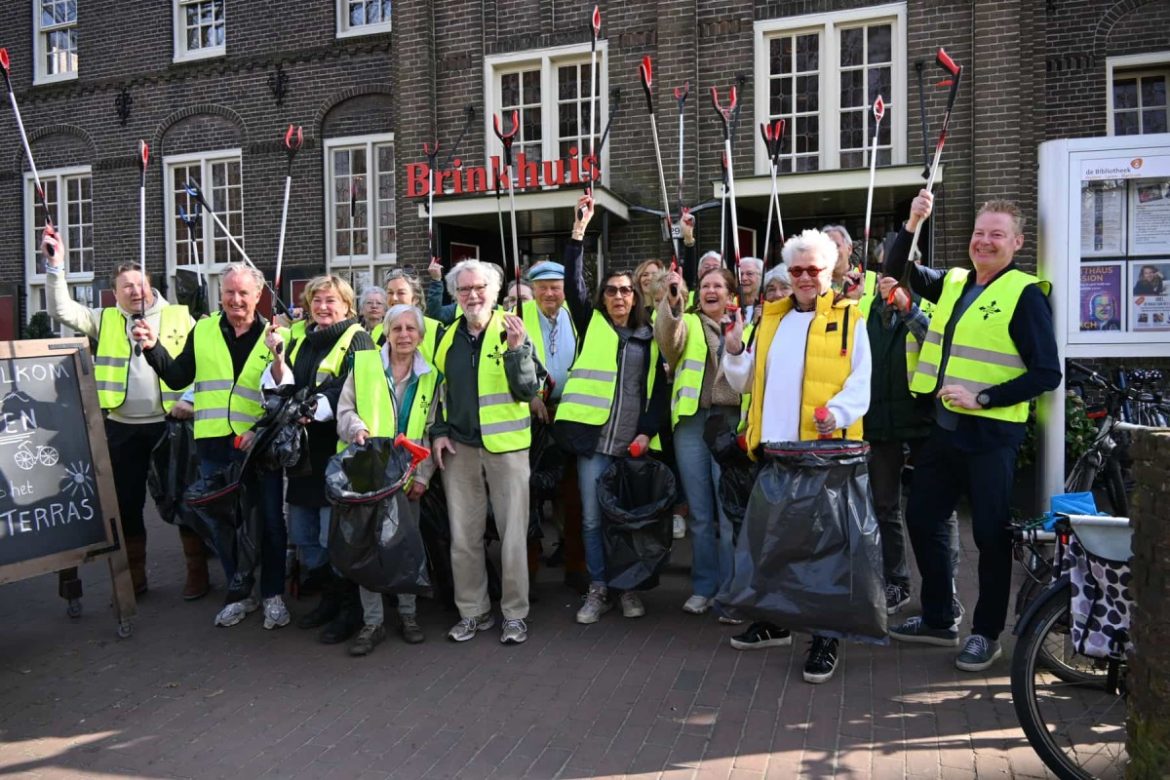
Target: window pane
(852, 91)
(780, 55)
(880, 43)
(567, 81)
(1153, 91)
(853, 47)
(1154, 121)
(1125, 93)
(808, 53)
(880, 83)
(807, 96)
(852, 129)
(1125, 123)
(510, 89)
(531, 86)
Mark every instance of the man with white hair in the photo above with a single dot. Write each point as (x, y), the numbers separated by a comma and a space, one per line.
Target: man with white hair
(480, 440)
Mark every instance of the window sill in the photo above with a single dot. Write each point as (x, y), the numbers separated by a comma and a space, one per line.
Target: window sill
(199, 54)
(56, 78)
(364, 30)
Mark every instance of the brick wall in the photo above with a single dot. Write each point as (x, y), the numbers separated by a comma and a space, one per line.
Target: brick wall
(1148, 680)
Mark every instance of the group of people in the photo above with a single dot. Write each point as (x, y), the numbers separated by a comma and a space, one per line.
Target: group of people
(642, 366)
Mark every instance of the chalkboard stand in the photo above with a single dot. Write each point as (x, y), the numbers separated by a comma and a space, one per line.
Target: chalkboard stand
(68, 401)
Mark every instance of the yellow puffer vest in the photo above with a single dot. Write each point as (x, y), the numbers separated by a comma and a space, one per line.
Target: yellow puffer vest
(828, 361)
(111, 362)
(505, 424)
(982, 352)
(226, 405)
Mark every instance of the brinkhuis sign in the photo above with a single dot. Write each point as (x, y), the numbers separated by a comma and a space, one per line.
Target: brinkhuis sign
(462, 179)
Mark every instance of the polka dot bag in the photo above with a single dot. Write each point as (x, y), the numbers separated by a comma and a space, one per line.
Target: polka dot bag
(1101, 602)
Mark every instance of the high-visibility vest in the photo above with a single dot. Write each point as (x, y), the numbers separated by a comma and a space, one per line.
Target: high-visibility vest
(505, 424)
(330, 365)
(377, 334)
(111, 362)
(592, 384)
(745, 399)
(688, 372)
(867, 294)
(375, 405)
(828, 361)
(429, 340)
(982, 353)
(536, 335)
(226, 405)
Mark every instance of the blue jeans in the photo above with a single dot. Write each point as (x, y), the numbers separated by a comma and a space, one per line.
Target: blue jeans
(589, 471)
(710, 527)
(309, 531)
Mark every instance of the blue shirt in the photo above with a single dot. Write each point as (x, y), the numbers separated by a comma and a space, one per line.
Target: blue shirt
(559, 351)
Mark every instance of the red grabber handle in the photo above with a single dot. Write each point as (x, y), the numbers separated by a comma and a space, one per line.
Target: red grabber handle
(724, 113)
(879, 109)
(143, 154)
(681, 94)
(647, 71)
(418, 453)
(507, 138)
(428, 152)
(294, 138)
(6, 65)
(596, 22)
(772, 133)
(636, 450)
(820, 414)
(956, 72)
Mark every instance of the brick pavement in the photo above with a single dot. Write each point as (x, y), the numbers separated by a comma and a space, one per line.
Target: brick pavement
(659, 697)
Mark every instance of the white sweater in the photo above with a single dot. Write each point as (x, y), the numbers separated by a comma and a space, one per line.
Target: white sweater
(143, 402)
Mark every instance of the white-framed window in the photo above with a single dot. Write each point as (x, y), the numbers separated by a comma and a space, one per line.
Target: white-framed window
(362, 17)
(362, 242)
(205, 249)
(55, 27)
(69, 194)
(200, 30)
(821, 73)
(550, 89)
(1137, 94)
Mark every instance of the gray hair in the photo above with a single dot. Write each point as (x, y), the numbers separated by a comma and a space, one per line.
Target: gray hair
(368, 291)
(754, 262)
(711, 253)
(488, 272)
(778, 274)
(839, 230)
(411, 280)
(811, 240)
(245, 270)
(397, 310)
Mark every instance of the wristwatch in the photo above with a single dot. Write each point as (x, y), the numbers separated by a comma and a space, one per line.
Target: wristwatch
(983, 399)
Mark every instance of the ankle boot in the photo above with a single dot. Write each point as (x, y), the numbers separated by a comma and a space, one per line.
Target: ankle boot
(136, 555)
(198, 582)
(349, 616)
(330, 603)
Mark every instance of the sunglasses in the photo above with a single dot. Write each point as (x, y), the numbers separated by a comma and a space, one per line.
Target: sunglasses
(797, 271)
(612, 290)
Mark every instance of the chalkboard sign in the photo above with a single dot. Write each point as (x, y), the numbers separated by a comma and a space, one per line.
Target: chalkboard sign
(57, 502)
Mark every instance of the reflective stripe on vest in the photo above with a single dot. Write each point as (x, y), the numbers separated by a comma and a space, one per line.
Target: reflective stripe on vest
(330, 365)
(375, 405)
(505, 424)
(688, 372)
(982, 352)
(225, 406)
(912, 351)
(112, 359)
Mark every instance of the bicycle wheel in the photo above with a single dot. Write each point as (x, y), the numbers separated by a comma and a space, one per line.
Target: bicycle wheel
(1077, 728)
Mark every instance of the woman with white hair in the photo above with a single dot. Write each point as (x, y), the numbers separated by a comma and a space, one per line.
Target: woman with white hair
(391, 391)
(372, 308)
(814, 352)
(777, 283)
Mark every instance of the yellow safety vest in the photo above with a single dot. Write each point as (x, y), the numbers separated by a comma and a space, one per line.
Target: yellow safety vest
(867, 294)
(688, 372)
(505, 424)
(375, 405)
(535, 335)
(226, 405)
(111, 362)
(377, 333)
(828, 361)
(330, 365)
(592, 383)
(982, 352)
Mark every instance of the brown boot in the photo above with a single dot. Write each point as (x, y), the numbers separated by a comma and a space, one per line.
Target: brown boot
(136, 555)
(198, 583)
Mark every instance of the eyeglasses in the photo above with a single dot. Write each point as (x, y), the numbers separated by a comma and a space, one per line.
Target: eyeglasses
(797, 271)
(478, 289)
(612, 290)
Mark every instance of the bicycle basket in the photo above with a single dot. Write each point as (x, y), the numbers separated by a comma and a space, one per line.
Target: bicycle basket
(1101, 603)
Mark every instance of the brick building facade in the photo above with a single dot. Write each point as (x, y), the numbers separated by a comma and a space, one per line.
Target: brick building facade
(212, 84)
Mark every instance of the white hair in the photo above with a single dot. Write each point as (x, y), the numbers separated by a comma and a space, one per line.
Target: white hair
(368, 291)
(753, 262)
(488, 272)
(711, 253)
(245, 270)
(814, 241)
(840, 230)
(778, 274)
(397, 310)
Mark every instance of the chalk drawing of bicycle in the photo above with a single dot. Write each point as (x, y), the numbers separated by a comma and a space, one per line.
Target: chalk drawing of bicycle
(27, 459)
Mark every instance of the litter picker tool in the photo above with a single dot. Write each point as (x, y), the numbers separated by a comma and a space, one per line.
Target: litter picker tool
(955, 73)
(191, 220)
(772, 135)
(143, 161)
(595, 23)
(725, 114)
(680, 97)
(294, 138)
(879, 110)
(432, 154)
(5, 65)
(506, 139)
(647, 72)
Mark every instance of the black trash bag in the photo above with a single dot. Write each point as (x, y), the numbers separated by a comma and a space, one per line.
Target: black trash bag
(809, 556)
(281, 441)
(228, 510)
(172, 468)
(737, 472)
(636, 496)
(374, 536)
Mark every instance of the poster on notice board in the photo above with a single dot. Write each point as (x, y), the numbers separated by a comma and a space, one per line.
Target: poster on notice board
(1102, 296)
(1149, 308)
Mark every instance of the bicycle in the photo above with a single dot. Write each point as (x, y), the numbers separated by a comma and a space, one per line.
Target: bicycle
(1069, 688)
(27, 459)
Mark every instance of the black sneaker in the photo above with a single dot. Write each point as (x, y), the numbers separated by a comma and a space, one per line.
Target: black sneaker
(760, 636)
(978, 653)
(915, 630)
(822, 660)
(896, 598)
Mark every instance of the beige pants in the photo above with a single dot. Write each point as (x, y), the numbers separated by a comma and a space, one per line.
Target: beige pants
(463, 478)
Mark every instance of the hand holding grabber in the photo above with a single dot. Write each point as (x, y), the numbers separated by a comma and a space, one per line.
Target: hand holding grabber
(6, 67)
(294, 138)
(506, 139)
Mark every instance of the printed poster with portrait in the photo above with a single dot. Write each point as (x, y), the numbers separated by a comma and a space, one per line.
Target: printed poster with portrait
(1149, 204)
(1149, 308)
(1102, 297)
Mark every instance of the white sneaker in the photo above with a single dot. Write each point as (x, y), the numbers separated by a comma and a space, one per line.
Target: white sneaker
(595, 604)
(632, 605)
(680, 527)
(233, 613)
(697, 604)
(275, 613)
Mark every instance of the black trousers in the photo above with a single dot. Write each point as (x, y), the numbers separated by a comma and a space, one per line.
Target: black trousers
(130, 447)
(943, 473)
